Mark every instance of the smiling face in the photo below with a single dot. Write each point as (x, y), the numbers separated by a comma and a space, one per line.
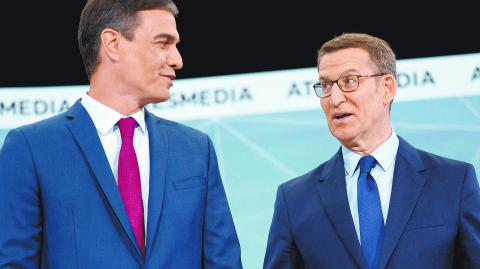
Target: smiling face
(148, 62)
(360, 119)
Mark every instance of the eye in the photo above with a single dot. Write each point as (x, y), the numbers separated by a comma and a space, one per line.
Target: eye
(162, 44)
(325, 84)
(350, 80)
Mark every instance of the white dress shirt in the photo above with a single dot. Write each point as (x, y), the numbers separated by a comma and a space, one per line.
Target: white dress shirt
(105, 120)
(382, 172)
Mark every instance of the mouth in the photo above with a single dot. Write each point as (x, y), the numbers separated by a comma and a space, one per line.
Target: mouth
(171, 77)
(341, 116)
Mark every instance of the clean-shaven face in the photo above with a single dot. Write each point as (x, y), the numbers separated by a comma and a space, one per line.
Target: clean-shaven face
(354, 117)
(150, 59)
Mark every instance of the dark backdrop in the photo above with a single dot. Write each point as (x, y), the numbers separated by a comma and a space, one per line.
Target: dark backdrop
(39, 47)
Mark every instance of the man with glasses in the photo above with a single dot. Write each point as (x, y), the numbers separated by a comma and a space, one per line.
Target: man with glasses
(378, 202)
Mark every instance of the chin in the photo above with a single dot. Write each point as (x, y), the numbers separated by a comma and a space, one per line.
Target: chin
(159, 99)
(156, 93)
(344, 137)
(161, 96)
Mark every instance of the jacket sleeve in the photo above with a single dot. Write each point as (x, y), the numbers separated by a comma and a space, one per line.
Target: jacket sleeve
(221, 248)
(468, 239)
(282, 252)
(20, 208)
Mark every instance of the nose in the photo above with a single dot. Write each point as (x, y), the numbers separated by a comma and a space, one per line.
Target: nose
(337, 96)
(175, 59)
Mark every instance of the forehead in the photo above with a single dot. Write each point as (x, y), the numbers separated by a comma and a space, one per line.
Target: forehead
(343, 62)
(157, 22)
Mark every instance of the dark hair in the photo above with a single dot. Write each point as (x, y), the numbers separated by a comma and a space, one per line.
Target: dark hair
(120, 15)
(380, 52)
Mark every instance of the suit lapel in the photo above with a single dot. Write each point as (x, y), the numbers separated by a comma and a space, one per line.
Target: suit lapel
(333, 194)
(158, 143)
(408, 183)
(84, 132)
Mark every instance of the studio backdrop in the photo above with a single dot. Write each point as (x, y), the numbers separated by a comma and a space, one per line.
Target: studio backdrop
(268, 127)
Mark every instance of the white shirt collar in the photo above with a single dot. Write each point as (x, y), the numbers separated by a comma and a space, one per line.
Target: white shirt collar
(385, 155)
(105, 118)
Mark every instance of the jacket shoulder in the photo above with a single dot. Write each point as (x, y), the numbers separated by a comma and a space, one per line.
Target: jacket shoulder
(180, 129)
(300, 183)
(437, 162)
(48, 125)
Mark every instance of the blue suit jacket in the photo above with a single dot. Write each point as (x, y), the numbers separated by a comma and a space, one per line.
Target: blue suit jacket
(433, 219)
(60, 206)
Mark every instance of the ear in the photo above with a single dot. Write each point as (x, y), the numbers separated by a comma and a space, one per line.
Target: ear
(109, 44)
(390, 88)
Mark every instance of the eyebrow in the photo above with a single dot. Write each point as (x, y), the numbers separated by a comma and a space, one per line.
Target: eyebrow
(345, 72)
(169, 37)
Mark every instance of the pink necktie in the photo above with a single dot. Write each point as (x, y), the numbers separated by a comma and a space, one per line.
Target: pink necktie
(129, 180)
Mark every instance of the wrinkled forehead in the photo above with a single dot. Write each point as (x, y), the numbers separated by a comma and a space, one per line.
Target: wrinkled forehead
(351, 61)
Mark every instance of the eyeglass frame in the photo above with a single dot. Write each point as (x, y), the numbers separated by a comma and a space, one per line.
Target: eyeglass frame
(340, 87)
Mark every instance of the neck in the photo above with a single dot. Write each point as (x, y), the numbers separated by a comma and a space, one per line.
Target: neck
(113, 96)
(369, 145)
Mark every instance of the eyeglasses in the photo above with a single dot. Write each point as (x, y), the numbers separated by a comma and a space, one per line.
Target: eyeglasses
(347, 83)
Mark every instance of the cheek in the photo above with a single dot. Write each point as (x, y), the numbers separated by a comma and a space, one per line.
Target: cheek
(158, 57)
(374, 110)
(324, 105)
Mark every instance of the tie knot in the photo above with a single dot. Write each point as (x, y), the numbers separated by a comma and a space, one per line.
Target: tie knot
(127, 126)
(367, 163)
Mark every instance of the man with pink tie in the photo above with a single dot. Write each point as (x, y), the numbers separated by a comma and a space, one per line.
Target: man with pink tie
(107, 184)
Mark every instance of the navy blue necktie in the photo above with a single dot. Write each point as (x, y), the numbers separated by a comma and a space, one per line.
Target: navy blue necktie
(369, 212)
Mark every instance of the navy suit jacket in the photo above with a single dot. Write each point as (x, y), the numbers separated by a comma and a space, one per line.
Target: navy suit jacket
(433, 219)
(60, 206)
